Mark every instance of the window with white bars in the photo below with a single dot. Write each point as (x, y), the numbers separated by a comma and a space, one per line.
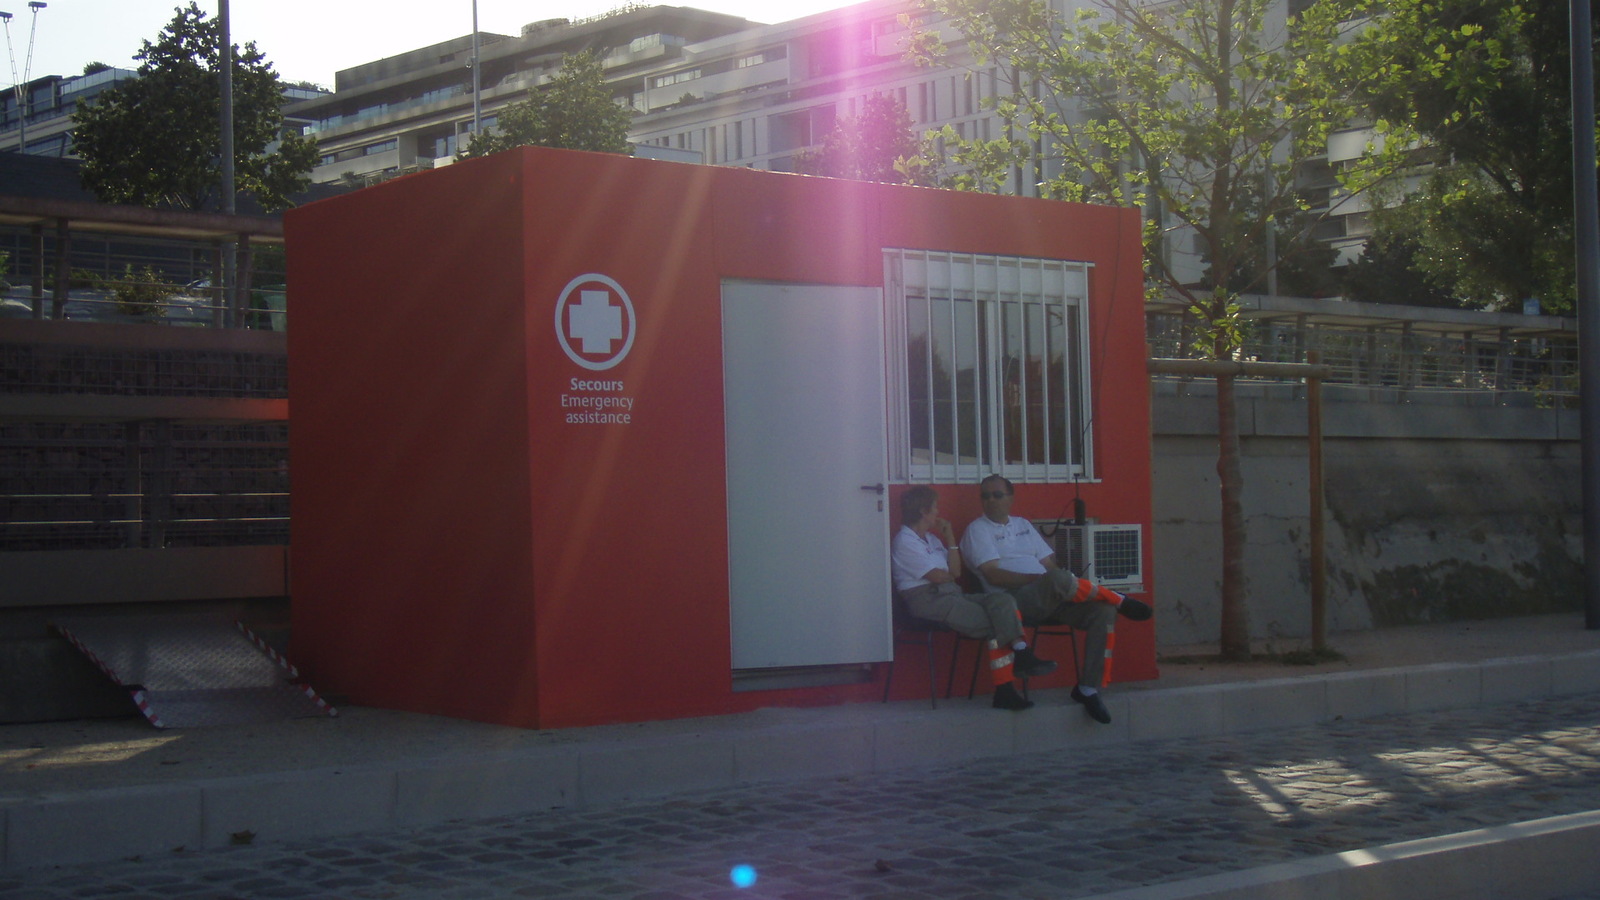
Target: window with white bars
(992, 373)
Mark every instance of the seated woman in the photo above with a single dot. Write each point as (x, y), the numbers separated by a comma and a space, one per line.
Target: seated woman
(925, 569)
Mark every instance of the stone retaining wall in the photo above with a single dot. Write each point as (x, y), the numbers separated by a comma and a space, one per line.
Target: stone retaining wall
(1440, 506)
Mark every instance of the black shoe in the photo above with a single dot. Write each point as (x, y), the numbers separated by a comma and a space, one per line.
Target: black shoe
(1006, 697)
(1030, 666)
(1093, 705)
(1136, 610)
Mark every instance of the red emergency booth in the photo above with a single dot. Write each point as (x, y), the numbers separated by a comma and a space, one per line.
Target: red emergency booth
(579, 438)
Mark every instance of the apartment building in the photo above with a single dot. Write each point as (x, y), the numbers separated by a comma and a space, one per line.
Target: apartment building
(757, 97)
(707, 87)
(43, 119)
(415, 110)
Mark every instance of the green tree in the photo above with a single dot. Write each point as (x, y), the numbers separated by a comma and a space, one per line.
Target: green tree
(575, 111)
(1478, 93)
(141, 292)
(1387, 272)
(1196, 112)
(1305, 264)
(157, 139)
(875, 145)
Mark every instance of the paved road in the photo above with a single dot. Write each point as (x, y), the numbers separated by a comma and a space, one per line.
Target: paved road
(1038, 826)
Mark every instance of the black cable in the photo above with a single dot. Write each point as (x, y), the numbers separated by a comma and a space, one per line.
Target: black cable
(1096, 366)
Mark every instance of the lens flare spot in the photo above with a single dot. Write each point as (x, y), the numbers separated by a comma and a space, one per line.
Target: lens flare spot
(742, 876)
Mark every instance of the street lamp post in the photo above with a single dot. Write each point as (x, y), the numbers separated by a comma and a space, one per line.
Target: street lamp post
(477, 77)
(231, 299)
(1586, 229)
(18, 86)
(225, 118)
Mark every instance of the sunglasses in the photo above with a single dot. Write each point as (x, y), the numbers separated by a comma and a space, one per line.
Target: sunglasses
(993, 495)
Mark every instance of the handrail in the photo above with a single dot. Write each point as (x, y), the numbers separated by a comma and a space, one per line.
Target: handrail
(1247, 368)
(91, 216)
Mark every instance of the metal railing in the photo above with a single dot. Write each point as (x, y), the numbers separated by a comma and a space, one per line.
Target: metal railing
(83, 261)
(1403, 348)
(142, 485)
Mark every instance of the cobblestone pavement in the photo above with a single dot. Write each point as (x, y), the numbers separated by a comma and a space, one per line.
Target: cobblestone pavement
(1046, 825)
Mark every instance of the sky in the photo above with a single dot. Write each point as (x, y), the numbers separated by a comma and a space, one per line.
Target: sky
(307, 40)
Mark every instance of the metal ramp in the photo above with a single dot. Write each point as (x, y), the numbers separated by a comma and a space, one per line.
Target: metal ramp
(187, 671)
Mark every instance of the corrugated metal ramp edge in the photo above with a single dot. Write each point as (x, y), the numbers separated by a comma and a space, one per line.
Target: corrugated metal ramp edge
(167, 663)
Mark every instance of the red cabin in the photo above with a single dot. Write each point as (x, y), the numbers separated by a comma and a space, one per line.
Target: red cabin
(579, 438)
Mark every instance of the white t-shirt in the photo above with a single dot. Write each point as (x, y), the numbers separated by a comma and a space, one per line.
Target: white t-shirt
(1015, 543)
(912, 557)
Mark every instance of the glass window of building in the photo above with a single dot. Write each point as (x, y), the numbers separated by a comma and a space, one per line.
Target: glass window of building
(993, 376)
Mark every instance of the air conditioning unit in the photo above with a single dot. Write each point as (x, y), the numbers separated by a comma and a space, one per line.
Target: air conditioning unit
(1112, 555)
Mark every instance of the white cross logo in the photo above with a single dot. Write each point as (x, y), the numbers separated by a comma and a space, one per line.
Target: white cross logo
(594, 323)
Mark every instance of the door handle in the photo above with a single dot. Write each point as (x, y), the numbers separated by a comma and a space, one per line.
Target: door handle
(875, 488)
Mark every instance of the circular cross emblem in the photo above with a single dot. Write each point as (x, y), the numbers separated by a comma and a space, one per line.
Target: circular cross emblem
(595, 322)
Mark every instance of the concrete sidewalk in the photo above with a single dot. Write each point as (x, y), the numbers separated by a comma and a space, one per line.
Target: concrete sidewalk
(106, 790)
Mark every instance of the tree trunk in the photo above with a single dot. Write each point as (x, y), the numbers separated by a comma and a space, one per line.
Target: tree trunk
(1235, 639)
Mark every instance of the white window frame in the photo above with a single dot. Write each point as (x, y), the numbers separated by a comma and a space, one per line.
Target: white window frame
(989, 285)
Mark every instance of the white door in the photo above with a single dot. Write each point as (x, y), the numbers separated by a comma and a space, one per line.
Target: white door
(808, 532)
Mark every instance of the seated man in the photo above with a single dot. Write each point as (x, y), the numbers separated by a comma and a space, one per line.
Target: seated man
(924, 575)
(1010, 554)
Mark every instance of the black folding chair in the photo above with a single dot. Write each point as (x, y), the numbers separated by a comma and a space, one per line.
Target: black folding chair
(909, 629)
(1067, 631)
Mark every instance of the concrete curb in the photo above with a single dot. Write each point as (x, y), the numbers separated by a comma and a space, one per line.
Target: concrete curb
(1538, 860)
(600, 768)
